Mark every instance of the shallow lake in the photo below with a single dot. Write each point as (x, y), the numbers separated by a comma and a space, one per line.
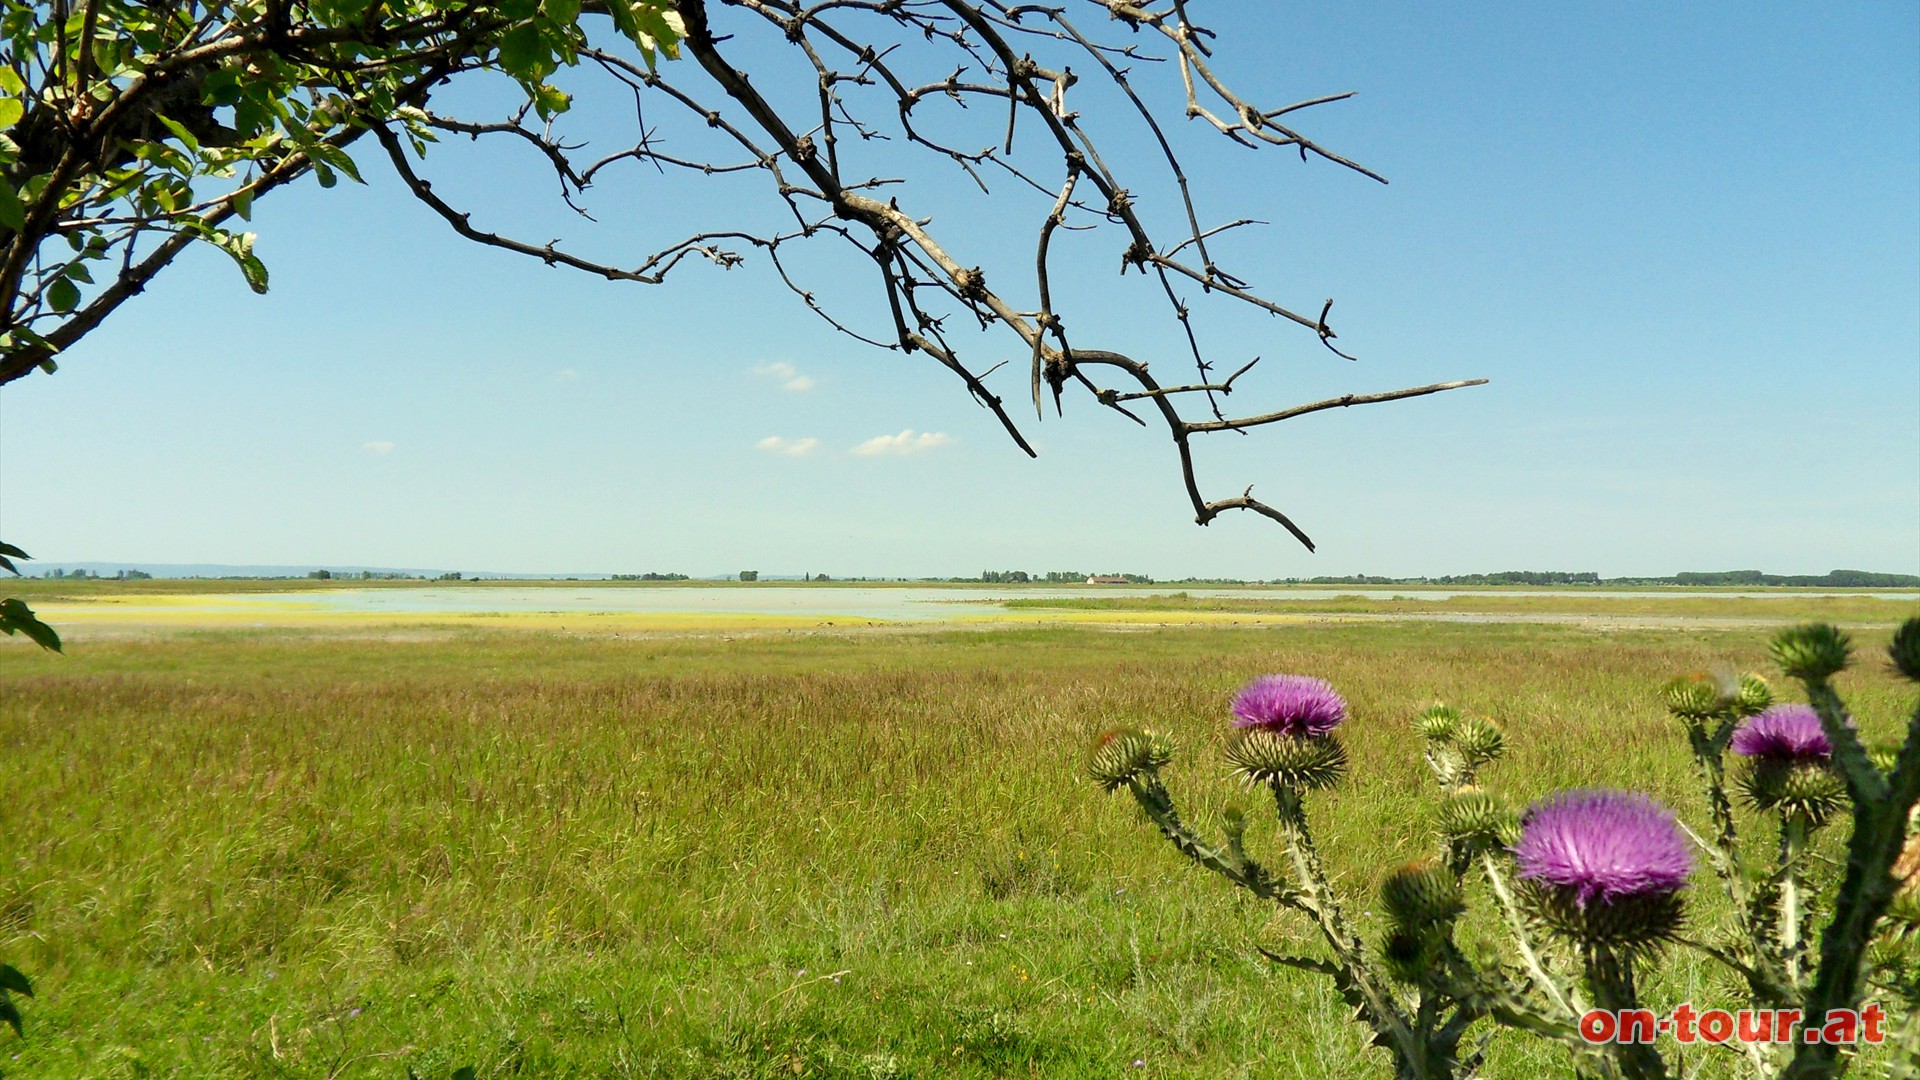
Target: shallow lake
(908, 603)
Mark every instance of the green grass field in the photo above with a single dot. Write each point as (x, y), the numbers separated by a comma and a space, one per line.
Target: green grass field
(832, 855)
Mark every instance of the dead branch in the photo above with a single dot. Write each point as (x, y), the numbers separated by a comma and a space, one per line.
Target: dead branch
(869, 74)
(806, 163)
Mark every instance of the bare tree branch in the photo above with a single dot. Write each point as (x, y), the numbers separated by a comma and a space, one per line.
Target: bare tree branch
(982, 86)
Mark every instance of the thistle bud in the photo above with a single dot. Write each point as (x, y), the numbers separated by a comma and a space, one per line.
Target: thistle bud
(1754, 696)
(1814, 652)
(1123, 753)
(1477, 820)
(1808, 790)
(1640, 921)
(1884, 756)
(1422, 895)
(1410, 957)
(1437, 723)
(1262, 755)
(1905, 649)
(1479, 740)
(1698, 696)
(1234, 823)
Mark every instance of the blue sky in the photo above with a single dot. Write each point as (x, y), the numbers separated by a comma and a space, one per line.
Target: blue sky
(1683, 243)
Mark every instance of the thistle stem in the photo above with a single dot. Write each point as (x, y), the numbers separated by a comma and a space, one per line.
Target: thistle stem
(1153, 798)
(1708, 751)
(1793, 842)
(1347, 948)
(1569, 1003)
(1879, 831)
(1610, 977)
(1708, 754)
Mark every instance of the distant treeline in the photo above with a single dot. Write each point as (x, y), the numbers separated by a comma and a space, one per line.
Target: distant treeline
(1837, 579)
(1054, 577)
(1832, 579)
(1504, 577)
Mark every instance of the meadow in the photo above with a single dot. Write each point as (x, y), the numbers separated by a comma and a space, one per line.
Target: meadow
(800, 853)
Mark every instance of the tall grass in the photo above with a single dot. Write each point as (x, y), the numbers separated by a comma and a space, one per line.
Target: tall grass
(817, 855)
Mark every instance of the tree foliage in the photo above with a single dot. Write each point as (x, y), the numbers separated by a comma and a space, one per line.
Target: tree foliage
(15, 616)
(132, 130)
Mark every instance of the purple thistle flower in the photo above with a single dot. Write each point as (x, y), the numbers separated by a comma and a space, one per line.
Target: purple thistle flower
(1603, 844)
(1290, 705)
(1784, 733)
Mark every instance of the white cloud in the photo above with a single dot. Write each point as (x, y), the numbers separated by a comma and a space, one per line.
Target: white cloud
(774, 444)
(789, 376)
(569, 374)
(378, 447)
(907, 442)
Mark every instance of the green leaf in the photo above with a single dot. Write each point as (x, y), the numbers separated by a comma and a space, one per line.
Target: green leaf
(240, 246)
(13, 214)
(621, 11)
(334, 157)
(551, 101)
(253, 114)
(20, 339)
(524, 55)
(243, 203)
(64, 295)
(180, 132)
(222, 86)
(255, 271)
(17, 618)
(658, 30)
(10, 977)
(11, 110)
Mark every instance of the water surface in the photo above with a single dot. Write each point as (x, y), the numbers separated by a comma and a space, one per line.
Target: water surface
(897, 603)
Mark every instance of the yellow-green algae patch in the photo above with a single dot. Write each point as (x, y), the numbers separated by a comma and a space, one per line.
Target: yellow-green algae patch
(187, 611)
(205, 612)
